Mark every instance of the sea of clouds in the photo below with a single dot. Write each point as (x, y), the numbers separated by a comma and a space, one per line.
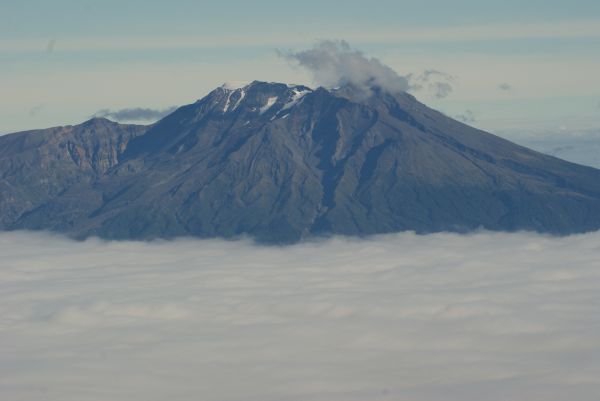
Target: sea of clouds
(481, 317)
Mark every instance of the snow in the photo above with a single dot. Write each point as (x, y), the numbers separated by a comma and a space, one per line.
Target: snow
(296, 97)
(270, 102)
(227, 103)
(242, 95)
(237, 103)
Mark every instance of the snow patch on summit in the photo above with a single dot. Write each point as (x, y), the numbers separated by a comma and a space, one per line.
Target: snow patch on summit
(226, 107)
(296, 98)
(270, 102)
(242, 96)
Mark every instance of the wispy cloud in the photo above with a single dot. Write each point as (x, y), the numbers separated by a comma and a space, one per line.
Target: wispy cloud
(468, 117)
(50, 46)
(335, 63)
(438, 83)
(589, 28)
(35, 110)
(483, 317)
(135, 114)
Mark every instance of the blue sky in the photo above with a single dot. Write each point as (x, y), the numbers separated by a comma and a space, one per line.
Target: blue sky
(61, 61)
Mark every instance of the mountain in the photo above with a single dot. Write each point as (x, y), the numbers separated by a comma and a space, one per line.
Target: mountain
(49, 176)
(281, 162)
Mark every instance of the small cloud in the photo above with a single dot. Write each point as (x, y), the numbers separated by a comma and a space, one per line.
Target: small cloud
(468, 117)
(135, 114)
(35, 110)
(505, 87)
(438, 83)
(335, 63)
(50, 46)
(441, 89)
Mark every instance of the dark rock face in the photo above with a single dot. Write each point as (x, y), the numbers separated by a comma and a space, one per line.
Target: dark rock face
(280, 163)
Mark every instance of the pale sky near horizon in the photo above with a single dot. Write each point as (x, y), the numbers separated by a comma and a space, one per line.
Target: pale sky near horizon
(514, 66)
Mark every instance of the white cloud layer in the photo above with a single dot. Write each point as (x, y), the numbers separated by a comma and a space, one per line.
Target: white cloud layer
(484, 317)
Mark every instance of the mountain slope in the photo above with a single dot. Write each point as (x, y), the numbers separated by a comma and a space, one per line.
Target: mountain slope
(38, 168)
(281, 162)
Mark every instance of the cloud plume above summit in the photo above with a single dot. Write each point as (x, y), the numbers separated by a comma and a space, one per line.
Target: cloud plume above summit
(335, 63)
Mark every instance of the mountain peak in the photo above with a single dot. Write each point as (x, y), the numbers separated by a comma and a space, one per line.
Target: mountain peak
(285, 94)
(257, 97)
(281, 162)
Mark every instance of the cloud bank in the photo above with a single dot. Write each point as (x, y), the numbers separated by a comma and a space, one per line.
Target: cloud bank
(484, 317)
(335, 63)
(135, 114)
